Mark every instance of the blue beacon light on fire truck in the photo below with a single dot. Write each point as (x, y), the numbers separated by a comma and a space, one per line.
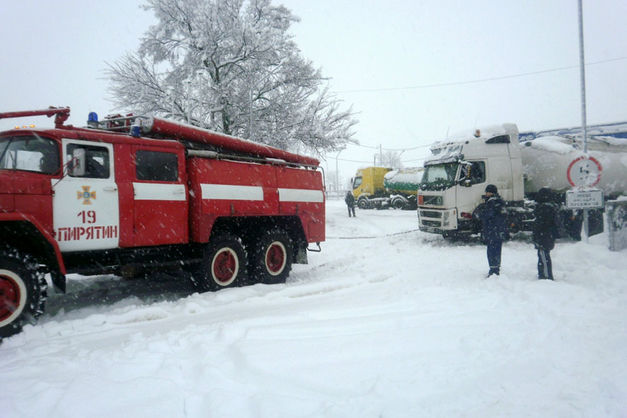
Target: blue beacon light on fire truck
(92, 119)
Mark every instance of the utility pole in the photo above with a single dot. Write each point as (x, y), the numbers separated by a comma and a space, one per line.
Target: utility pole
(582, 73)
(337, 175)
(380, 154)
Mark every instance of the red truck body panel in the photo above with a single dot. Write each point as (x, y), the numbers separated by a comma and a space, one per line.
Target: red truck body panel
(301, 193)
(231, 188)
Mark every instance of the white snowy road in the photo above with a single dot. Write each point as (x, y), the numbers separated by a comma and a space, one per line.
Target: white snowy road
(400, 325)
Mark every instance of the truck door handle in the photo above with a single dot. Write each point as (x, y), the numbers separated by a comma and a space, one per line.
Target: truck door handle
(110, 189)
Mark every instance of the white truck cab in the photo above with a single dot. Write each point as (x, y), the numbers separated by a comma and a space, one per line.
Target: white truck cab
(458, 171)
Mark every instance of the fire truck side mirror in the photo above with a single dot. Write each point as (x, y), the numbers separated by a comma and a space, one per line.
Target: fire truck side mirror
(76, 166)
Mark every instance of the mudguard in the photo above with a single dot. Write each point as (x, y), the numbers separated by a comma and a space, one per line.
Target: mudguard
(57, 271)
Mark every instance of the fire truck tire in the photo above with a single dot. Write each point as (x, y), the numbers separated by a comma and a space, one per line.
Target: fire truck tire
(22, 291)
(224, 264)
(271, 257)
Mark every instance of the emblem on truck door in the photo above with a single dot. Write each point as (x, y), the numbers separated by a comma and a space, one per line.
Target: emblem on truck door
(86, 195)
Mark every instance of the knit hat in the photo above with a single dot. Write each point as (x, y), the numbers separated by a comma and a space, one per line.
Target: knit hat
(491, 188)
(544, 195)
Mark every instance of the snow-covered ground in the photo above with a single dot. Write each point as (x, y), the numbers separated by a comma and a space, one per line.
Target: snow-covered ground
(388, 324)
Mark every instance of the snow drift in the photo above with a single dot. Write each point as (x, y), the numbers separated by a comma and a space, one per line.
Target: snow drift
(386, 321)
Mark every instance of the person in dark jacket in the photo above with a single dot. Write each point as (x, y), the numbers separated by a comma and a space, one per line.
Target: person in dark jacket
(495, 231)
(350, 202)
(572, 224)
(545, 230)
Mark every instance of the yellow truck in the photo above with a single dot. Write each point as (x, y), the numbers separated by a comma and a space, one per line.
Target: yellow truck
(384, 187)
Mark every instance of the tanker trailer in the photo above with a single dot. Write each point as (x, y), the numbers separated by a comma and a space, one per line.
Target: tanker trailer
(402, 186)
(546, 161)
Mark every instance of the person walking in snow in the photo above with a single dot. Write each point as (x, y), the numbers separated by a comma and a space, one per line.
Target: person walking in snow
(545, 230)
(495, 231)
(350, 203)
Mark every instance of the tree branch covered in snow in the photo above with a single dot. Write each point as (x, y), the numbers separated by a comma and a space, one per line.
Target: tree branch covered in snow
(231, 66)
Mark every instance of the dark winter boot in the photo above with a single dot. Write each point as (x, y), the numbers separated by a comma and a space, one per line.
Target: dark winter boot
(494, 271)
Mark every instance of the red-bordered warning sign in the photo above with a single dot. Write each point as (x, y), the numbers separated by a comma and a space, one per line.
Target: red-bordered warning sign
(584, 172)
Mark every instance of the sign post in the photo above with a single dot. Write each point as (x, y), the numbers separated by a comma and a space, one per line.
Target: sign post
(583, 174)
(584, 199)
(584, 124)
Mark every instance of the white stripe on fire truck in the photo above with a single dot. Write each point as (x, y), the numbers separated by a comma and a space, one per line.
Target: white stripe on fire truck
(159, 191)
(300, 195)
(231, 192)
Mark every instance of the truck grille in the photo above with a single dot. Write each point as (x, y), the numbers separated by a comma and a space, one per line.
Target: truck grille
(436, 224)
(432, 200)
(430, 214)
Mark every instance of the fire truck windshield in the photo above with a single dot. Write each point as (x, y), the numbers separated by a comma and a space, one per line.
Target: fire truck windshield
(439, 176)
(29, 153)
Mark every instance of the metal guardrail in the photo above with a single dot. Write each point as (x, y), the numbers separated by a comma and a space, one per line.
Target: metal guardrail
(617, 224)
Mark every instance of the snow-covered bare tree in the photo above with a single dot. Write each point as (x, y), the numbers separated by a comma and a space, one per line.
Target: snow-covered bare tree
(231, 66)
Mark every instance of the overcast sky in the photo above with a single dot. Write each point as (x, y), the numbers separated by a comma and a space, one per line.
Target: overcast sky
(410, 69)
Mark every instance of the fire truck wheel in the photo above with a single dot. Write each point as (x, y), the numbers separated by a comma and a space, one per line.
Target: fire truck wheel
(224, 264)
(271, 258)
(22, 291)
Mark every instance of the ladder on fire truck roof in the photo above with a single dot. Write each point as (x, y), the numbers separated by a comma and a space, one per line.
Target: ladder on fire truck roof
(153, 127)
(157, 128)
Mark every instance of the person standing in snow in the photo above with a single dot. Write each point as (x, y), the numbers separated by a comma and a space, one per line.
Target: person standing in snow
(572, 224)
(545, 230)
(495, 231)
(350, 202)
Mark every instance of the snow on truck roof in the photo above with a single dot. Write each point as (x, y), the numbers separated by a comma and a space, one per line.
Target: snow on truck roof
(553, 144)
(406, 174)
(450, 150)
(482, 134)
(566, 144)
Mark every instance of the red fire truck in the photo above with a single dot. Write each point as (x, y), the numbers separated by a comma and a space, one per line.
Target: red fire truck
(133, 194)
